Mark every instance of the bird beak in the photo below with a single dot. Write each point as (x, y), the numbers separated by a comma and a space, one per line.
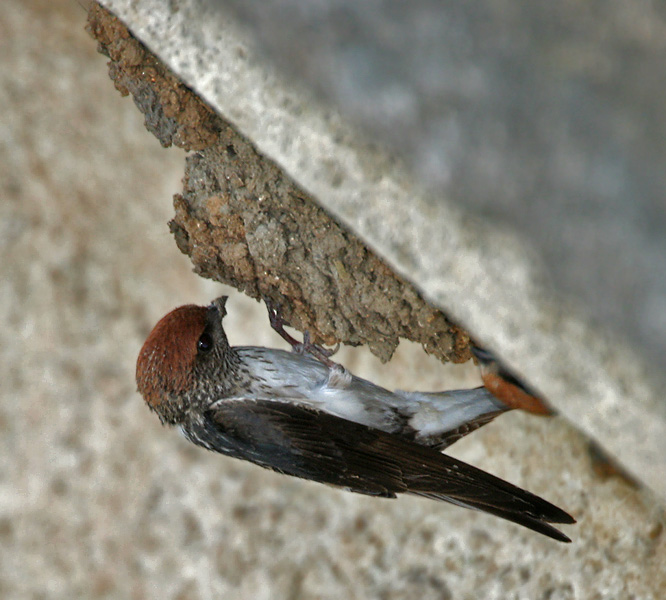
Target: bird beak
(218, 305)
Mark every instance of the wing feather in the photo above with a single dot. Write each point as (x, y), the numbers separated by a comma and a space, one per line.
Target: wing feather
(303, 442)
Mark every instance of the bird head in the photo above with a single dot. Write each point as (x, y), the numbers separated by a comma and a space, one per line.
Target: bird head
(183, 360)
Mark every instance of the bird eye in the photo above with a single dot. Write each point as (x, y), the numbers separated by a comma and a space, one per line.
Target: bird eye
(205, 343)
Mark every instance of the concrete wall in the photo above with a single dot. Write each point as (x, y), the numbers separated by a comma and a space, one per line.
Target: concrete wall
(97, 500)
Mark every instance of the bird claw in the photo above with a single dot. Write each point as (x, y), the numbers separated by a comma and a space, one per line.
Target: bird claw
(321, 353)
(308, 346)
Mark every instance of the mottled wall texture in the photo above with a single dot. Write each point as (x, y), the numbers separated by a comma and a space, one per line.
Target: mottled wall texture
(97, 500)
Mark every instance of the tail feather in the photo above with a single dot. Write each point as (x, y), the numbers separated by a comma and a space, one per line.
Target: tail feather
(448, 479)
(540, 525)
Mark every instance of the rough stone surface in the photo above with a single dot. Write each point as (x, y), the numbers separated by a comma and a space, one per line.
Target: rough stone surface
(97, 500)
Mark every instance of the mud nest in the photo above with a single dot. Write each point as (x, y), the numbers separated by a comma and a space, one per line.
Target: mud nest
(244, 222)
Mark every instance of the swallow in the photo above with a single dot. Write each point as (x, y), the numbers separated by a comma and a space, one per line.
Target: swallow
(297, 415)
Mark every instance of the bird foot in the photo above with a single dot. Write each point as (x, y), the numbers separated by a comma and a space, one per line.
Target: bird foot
(321, 353)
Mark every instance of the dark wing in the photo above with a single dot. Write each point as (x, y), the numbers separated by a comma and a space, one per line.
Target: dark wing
(303, 442)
